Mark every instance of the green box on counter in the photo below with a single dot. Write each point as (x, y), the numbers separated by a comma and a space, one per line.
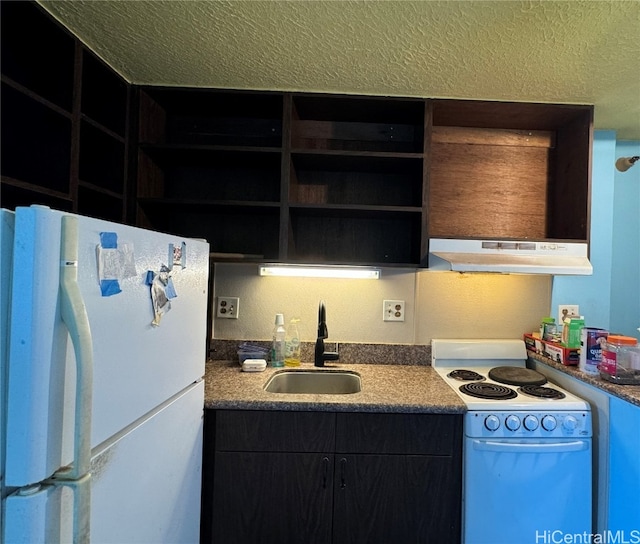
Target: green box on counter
(552, 350)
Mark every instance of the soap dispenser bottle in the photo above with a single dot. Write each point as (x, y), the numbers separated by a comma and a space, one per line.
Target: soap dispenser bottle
(279, 342)
(292, 356)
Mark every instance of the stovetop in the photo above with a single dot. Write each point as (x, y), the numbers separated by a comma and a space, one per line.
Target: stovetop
(480, 361)
(508, 397)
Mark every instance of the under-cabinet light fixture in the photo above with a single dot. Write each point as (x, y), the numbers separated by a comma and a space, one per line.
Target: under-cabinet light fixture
(318, 271)
(624, 163)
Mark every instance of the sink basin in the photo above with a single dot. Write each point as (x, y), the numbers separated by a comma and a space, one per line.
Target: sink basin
(314, 382)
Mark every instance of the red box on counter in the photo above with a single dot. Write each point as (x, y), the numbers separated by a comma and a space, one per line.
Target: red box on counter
(552, 350)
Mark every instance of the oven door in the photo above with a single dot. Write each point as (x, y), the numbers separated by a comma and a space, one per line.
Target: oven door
(526, 490)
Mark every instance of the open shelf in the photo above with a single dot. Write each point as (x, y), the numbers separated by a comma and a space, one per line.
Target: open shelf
(99, 82)
(102, 158)
(342, 235)
(209, 117)
(237, 229)
(211, 174)
(509, 170)
(37, 53)
(318, 178)
(357, 124)
(36, 141)
(64, 119)
(17, 193)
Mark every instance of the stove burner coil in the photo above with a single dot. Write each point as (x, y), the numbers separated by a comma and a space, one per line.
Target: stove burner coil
(484, 390)
(541, 392)
(465, 375)
(515, 375)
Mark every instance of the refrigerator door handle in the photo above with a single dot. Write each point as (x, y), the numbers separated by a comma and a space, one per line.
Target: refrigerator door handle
(81, 489)
(74, 316)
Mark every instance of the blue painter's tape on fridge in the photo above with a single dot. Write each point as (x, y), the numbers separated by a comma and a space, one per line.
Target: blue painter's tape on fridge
(170, 290)
(109, 240)
(109, 287)
(108, 243)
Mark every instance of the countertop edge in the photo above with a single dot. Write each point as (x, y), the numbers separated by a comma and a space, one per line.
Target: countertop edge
(414, 389)
(628, 393)
(320, 406)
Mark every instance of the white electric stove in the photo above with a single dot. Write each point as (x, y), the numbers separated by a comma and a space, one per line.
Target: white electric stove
(493, 374)
(527, 444)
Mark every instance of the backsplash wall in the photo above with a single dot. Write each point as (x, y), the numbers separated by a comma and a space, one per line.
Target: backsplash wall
(438, 305)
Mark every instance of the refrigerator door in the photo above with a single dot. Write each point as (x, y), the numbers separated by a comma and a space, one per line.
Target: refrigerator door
(6, 260)
(137, 365)
(145, 484)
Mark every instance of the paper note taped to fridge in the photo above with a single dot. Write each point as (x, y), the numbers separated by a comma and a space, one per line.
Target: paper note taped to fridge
(116, 262)
(161, 291)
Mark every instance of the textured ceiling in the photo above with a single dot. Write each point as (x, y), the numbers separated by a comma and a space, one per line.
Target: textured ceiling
(572, 51)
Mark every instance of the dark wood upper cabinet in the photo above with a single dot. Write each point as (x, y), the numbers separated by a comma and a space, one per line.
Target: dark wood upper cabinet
(283, 177)
(38, 55)
(509, 170)
(355, 180)
(209, 166)
(357, 124)
(38, 64)
(104, 95)
(65, 120)
(335, 179)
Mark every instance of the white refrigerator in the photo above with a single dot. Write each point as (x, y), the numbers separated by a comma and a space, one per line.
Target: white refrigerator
(103, 355)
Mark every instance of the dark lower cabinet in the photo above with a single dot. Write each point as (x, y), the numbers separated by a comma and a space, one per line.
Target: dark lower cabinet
(272, 497)
(320, 477)
(395, 499)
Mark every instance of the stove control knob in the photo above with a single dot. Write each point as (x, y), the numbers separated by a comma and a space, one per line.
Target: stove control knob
(530, 423)
(549, 423)
(570, 423)
(492, 423)
(512, 422)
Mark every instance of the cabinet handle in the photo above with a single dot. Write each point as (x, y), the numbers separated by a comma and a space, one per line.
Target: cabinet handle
(343, 470)
(325, 472)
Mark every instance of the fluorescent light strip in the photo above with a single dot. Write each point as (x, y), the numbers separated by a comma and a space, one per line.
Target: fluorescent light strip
(294, 271)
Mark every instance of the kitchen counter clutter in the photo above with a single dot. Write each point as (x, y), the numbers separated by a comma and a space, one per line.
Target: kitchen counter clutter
(629, 393)
(385, 388)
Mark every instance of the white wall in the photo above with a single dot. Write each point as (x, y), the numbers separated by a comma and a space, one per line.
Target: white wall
(438, 304)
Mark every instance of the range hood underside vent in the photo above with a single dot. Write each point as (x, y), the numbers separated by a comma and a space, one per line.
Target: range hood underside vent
(527, 257)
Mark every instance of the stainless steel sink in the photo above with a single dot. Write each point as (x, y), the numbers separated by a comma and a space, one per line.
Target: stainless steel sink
(314, 382)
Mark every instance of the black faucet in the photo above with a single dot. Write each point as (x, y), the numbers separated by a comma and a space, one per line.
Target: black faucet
(321, 355)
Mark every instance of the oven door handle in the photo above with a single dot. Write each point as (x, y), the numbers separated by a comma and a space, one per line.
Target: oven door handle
(531, 447)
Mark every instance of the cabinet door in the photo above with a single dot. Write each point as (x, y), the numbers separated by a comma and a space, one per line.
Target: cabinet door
(274, 498)
(396, 498)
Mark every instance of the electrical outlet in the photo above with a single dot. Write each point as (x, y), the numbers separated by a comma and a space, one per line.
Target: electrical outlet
(567, 311)
(393, 310)
(228, 307)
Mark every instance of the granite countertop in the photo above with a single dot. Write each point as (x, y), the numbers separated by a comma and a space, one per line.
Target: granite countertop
(629, 393)
(385, 388)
